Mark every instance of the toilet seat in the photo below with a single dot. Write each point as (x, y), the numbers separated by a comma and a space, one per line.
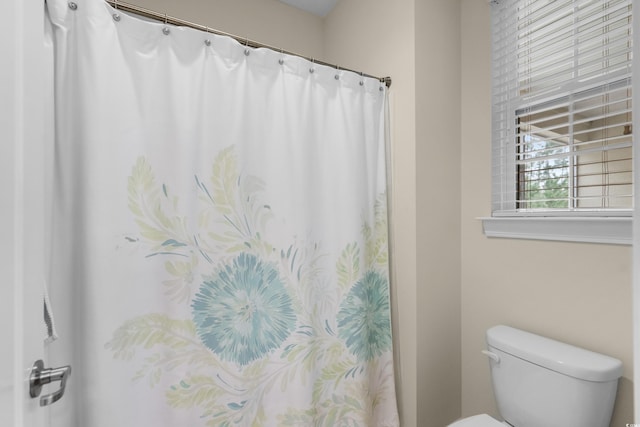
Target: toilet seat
(483, 420)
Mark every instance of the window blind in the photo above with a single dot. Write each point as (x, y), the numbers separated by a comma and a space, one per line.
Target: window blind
(561, 107)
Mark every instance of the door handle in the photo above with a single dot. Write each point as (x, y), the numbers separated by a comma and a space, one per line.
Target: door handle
(41, 376)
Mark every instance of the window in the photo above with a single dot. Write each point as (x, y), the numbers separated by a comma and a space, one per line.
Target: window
(574, 153)
(561, 109)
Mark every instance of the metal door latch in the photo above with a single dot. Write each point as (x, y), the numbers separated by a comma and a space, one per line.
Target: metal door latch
(41, 376)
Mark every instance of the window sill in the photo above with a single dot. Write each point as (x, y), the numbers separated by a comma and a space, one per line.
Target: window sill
(609, 230)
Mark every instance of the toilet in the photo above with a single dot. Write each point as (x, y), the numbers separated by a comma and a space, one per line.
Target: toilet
(539, 382)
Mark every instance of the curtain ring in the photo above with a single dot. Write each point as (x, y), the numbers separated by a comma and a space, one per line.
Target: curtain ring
(116, 15)
(166, 30)
(207, 41)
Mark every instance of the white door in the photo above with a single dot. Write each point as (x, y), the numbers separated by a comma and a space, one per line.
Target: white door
(22, 139)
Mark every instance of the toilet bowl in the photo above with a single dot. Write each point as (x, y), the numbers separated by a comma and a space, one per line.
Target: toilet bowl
(482, 420)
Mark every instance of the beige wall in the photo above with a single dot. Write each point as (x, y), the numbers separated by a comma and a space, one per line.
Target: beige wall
(438, 210)
(578, 293)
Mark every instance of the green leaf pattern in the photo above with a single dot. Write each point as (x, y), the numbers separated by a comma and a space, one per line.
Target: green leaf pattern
(298, 323)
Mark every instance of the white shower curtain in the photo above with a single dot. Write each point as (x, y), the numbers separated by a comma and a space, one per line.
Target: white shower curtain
(219, 231)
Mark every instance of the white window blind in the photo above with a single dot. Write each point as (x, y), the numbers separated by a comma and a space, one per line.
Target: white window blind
(561, 107)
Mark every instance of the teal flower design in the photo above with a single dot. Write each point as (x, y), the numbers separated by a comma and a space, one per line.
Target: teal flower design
(363, 319)
(244, 311)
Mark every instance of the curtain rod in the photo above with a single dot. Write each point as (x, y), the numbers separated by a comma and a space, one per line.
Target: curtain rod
(128, 7)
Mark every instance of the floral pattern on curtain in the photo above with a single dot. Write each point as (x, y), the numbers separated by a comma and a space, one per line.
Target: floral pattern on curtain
(256, 318)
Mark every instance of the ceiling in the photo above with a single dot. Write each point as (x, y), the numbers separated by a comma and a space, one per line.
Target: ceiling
(317, 7)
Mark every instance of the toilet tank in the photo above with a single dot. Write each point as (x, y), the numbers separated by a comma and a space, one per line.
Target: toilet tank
(539, 382)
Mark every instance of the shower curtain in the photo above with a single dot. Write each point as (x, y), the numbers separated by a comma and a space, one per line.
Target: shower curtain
(219, 231)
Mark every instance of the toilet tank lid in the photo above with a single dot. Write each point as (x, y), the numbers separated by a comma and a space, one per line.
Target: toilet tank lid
(557, 356)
